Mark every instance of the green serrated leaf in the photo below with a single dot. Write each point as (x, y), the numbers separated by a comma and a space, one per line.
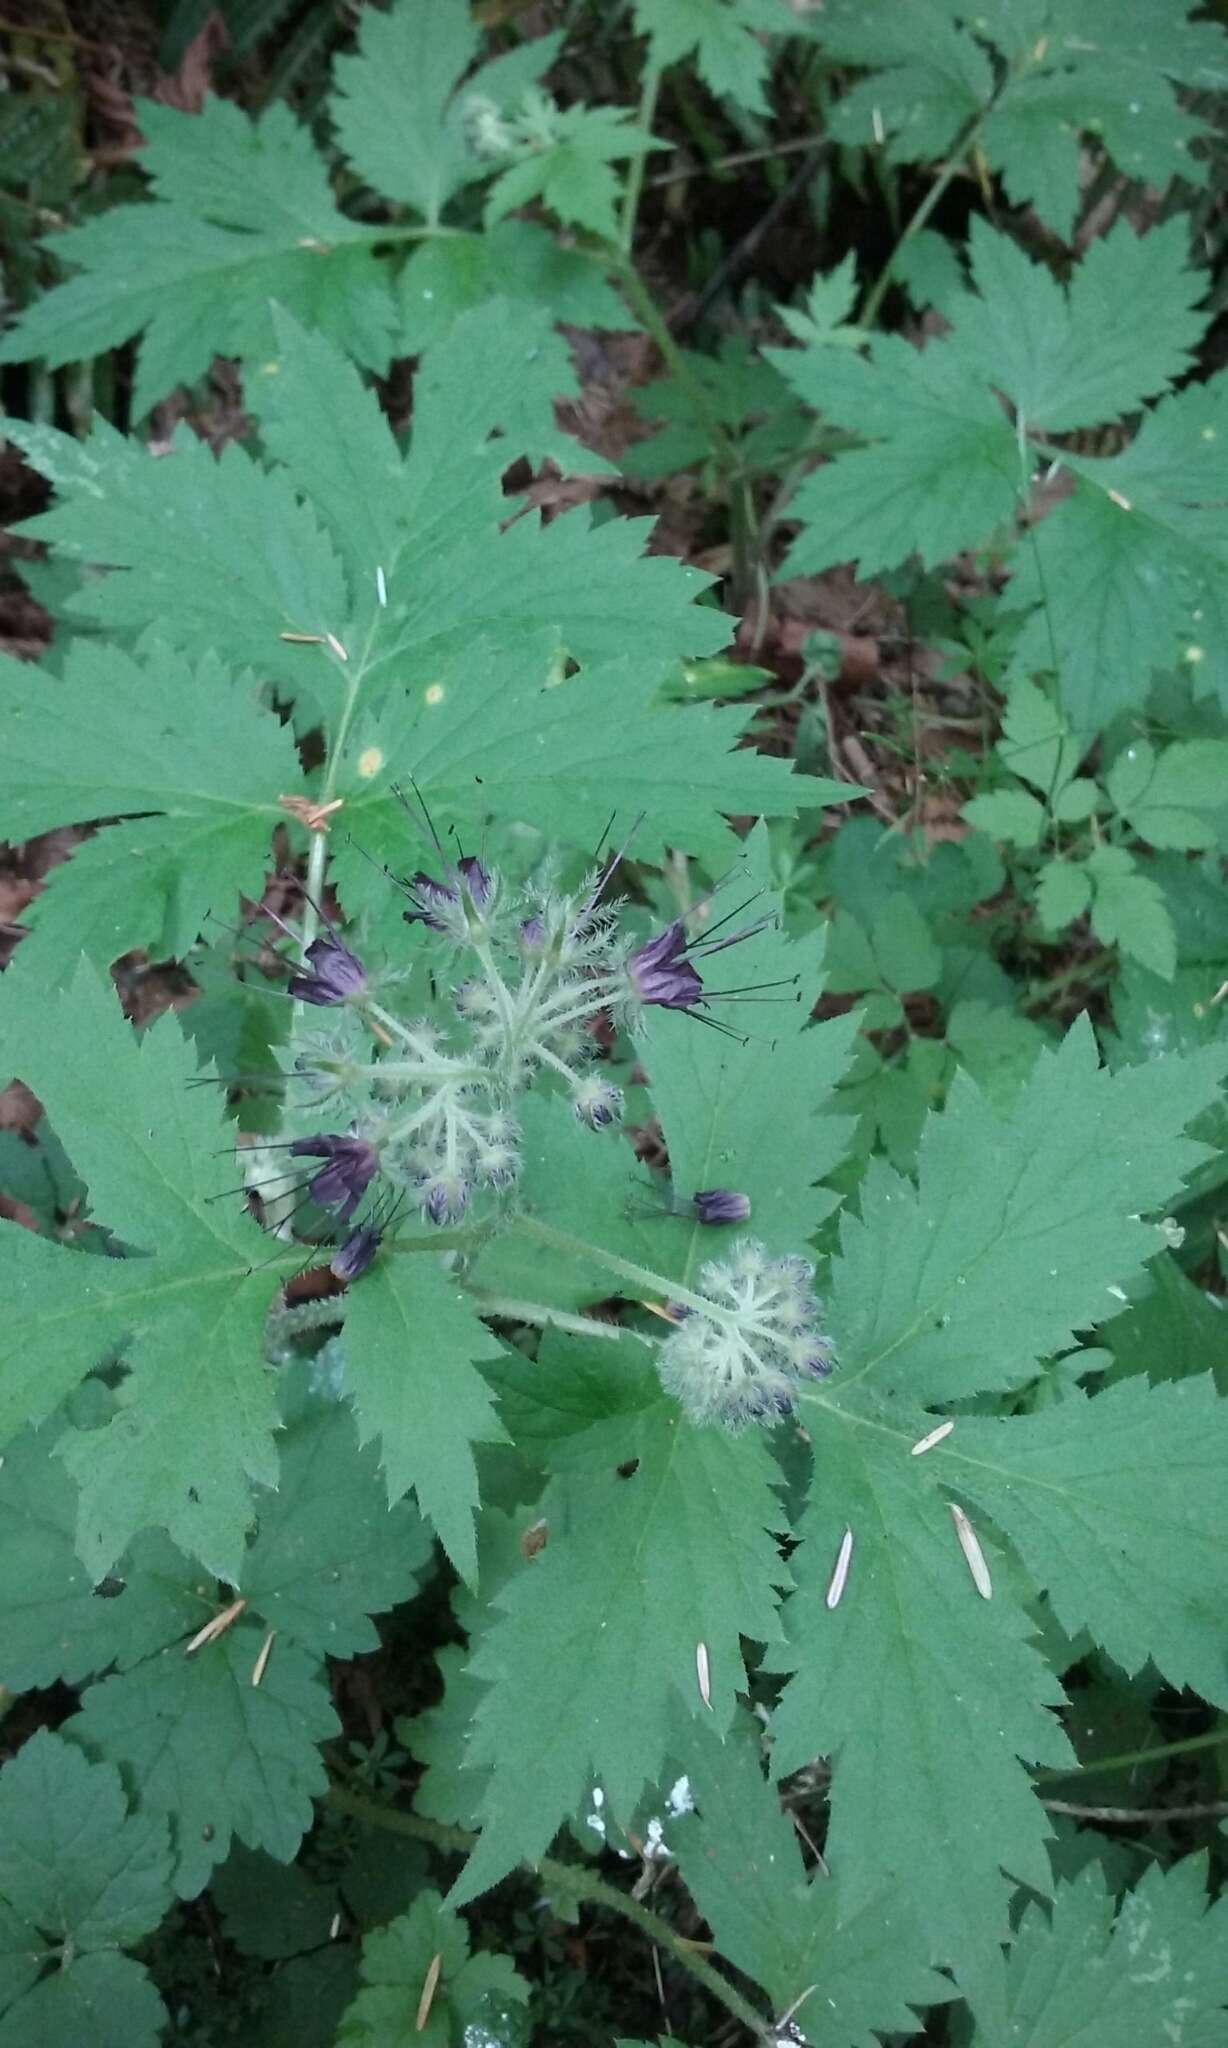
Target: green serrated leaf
(79, 1878)
(1080, 1487)
(404, 111)
(724, 36)
(565, 162)
(644, 1568)
(1128, 910)
(1157, 1967)
(1065, 70)
(516, 259)
(1009, 814)
(475, 1997)
(1171, 1332)
(196, 1414)
(1176, 798)
(1063, 892)
(1020, 1227)
(222, 1757)
(905, 1660)
(242, 215)
(740, 1860)
(329, 1551)
(155, 735)
(414, 1346)
(53, 1622)
(1036, 742)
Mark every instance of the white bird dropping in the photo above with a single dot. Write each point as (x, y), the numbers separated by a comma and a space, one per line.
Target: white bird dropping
(381, 588)
(840, 1571)
(974, 1556)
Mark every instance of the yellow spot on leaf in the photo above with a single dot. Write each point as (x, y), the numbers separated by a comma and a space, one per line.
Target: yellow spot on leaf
(370, 762)
(434, 693)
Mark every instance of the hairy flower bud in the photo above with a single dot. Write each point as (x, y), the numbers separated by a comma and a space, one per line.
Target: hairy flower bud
(597, 1102)
(355, 1252)
(720, 1205)
(759, 1341)
(448, 906)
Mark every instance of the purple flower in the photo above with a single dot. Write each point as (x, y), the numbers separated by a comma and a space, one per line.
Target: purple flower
(660, 972)
(351, 1165)
(336, 973)
(533, 933)
(432, 901)
(720, 1205)
(355, 1252)
(663, 970)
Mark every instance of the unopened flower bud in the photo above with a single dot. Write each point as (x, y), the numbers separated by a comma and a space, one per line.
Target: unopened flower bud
(355, 1252)
(444, 1198)
(444, 906)
(596, 1102)
(720, 1205)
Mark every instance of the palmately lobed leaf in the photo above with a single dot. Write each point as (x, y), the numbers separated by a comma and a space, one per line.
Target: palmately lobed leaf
(659, 1559)
(727, 38)
(185, 1309)
(855, 1974)
(1157, 1969)
(189, 746)
(241, 215)
(1035, 80)
(80, 1877)
(1023, 1229)
(218, 1755)
(906, 1662)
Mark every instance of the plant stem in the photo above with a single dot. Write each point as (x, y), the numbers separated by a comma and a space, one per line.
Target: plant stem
(917, 220)
(635, 176)
(654, 322)
(1084, 970)
(644, 1279)
(1215, 1739)
(1207, 1811)
(735, 162)
(580, 1883)
(513, 1310)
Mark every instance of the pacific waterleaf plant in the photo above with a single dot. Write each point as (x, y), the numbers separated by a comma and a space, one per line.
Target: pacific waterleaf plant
(506, 1228)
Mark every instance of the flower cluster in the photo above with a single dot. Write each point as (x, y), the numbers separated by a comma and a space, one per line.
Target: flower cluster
(745, 1352)
(425, 1109)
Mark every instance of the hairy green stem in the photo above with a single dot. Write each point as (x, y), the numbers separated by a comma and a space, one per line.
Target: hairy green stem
(643, 1278)
(655, 324)
(581, 1884)
(635, 176)
(514, 1310)
(917, 220)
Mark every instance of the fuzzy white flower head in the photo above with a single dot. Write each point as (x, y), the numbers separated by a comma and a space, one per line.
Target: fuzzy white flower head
(746, 1358)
